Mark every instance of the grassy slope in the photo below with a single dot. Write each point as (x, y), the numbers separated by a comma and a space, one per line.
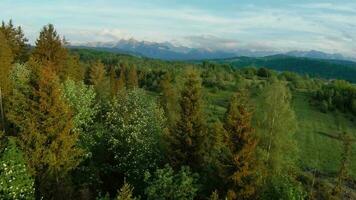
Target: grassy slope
(318, 148)
(316, 136)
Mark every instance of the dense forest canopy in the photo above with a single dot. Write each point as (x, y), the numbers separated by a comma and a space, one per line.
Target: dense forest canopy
(86, 124)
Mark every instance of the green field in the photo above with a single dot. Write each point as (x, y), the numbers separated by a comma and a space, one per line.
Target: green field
(316, 134)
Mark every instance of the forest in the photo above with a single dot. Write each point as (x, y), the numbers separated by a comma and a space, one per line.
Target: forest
(87, 124)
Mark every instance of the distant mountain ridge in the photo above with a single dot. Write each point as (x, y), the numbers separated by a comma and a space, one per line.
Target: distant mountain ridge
(169, 51)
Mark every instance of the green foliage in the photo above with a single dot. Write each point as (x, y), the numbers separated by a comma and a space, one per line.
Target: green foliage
(125, 192)
(240, 168)
(82, 101)
(166, 184)
(16, 40)
(50, 50)
(283, 187)
(6, 59)
(337, 95)
(276, 125)
(188, 139)
(15, 180)
(134, 127)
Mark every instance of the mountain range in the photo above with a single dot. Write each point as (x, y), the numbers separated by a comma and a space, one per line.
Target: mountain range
(169, 51)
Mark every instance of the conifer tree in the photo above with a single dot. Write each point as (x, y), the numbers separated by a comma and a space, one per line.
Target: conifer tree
(214, 196)
(121, 85)
(132, 79)
(241, 144)
(45, 132)
(114, 83)
(50, 50)
(72, 69)
(16, 40)
(125, 192)
(97, 77)
(189, 137)
(169, 100)
(6, 59)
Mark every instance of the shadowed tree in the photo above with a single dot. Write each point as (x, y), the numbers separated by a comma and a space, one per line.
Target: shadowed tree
(240, 168)
(132, 79)
(45, 132)
(16, 40)
(50, 50)
(189, 137)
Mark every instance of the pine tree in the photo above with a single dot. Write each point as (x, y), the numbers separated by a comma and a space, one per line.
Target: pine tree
(169, 100)
(97, 77)
(188, 139)
(121, 85)
(214, 196)
(240, 168)
(6, 59)
(50, 50)
(73, 69)
(46, 136)
(16, 40)
(132, 80)
(125, 192)
(114, 83)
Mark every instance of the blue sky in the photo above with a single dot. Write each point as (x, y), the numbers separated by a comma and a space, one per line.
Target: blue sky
(279, 25)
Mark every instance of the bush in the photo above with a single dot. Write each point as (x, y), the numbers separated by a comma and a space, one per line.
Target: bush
(15, 180)
(283, 187)
(165, 184)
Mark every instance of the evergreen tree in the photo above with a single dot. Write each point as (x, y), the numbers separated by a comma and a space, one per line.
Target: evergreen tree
(6, 59)
(214, 196)
(122, 79)
(46, 136)
(132, 79)
(114, 83)
(125, 192)
(169, 100)
(50, 50)
(188, 139)
(16, 40)
(15, 180)
(97, 77)
(240, 170)
(73, 69)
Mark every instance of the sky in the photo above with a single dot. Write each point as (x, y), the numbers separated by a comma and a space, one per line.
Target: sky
(270, 25)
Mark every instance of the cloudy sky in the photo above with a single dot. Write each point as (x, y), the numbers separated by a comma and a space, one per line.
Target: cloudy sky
(282, 25)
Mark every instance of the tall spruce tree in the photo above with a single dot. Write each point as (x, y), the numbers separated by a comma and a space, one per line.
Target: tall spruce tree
(189, 137)
(97, 78)
(114, 82)
(49, 50)
(169, 100)
(6, 59)
(45, 132)
(132, 79)
(240, 168)
(16, 40)
(121, 85)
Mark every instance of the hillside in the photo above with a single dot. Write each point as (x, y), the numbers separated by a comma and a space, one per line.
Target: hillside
(328, 69)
